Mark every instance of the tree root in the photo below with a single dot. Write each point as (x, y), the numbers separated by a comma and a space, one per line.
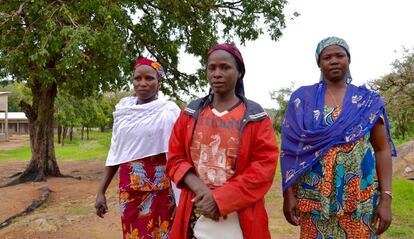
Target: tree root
(32, 178)
(70, 176)
(15, 175)
(44, 191)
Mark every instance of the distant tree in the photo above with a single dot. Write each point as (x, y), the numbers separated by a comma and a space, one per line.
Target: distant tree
(397, 89)
(65, 115)
(107, 104)
(83, 47)
(281, 97)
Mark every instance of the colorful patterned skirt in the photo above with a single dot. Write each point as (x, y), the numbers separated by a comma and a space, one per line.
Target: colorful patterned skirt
(146, 199)
(336, 227)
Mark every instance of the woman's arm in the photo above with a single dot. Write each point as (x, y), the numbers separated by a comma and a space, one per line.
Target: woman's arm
(382, 151)
(100, 203)
(178, 164)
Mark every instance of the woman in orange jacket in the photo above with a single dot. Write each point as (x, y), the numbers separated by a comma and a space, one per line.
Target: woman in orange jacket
(223, 155)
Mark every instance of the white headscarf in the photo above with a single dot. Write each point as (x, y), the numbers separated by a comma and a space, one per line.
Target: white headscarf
(140, 130)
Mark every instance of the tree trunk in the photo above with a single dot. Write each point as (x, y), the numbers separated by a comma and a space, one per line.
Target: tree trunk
(59, 133)
(83, 127)
(87, 133)
(65, 131)
(40, 114)
(71, 133)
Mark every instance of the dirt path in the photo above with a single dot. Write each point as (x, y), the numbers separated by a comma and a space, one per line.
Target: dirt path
(69, 213)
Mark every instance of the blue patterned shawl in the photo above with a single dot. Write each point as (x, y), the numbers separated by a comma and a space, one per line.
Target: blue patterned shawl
(305, 137)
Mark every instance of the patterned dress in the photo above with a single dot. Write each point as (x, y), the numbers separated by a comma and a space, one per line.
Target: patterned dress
(337, 197)
(146, 201)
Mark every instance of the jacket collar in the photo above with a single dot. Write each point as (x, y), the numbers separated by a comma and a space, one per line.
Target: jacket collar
(254, 112)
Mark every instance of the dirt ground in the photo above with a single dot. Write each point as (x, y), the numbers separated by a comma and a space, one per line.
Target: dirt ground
(15, 141)
(69, 212)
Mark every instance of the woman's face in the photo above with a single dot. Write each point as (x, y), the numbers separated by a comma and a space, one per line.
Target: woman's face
(222, 72)
(334, 63)
(146, 84)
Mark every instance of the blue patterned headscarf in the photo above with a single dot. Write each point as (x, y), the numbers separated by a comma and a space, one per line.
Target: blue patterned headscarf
(329, 41)
(305, 136)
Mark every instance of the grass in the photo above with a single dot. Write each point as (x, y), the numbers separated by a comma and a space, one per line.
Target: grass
(403, 210)
(95, 148)
(399, 141)
(22, 153)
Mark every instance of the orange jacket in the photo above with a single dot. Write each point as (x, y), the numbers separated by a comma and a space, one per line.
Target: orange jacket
(255, 170)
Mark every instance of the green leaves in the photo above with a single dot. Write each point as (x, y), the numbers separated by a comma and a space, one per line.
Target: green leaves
(281, 97)
(84, 48)
(397, 89)
(89, 46)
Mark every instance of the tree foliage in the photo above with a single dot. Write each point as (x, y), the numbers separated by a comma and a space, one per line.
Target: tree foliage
(281, 97)
(90, 112)
(164, 27)
(69, 44)
(397, 89)
(87, 47)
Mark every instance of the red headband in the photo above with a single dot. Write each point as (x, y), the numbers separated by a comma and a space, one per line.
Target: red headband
(145, 61)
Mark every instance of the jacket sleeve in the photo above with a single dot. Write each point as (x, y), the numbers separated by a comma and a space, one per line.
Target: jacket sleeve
(178, 164)
(257, 177)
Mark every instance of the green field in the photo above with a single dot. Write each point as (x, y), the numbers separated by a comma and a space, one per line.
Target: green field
(94, 148)
(403, 209)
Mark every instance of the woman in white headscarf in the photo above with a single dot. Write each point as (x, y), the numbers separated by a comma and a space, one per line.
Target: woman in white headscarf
(142, 126)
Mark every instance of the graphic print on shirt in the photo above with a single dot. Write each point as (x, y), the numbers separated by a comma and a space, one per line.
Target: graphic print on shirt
(215, 145)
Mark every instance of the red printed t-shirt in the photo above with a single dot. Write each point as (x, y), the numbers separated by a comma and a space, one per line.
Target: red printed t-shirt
(215, 144)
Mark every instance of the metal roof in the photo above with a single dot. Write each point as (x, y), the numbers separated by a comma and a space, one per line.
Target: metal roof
(14, 116)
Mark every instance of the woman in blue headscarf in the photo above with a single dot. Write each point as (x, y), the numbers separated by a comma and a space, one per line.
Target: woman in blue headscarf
(336, 153)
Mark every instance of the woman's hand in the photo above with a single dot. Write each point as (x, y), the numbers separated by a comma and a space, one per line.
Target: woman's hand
(205, 202)
(100, 205)
(290, 209)
(383, 216)
(203, 199)
(100, 202)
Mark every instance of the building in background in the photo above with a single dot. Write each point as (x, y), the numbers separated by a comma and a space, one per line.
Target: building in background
(17, 123)
(4, 133)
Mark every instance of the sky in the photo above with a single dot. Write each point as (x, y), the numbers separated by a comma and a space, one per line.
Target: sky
(376, 32)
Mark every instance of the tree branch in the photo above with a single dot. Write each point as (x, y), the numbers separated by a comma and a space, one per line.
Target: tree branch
(28, 110)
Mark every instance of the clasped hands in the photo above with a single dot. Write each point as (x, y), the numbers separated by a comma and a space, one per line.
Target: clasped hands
(205, 202)
(203, 199)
